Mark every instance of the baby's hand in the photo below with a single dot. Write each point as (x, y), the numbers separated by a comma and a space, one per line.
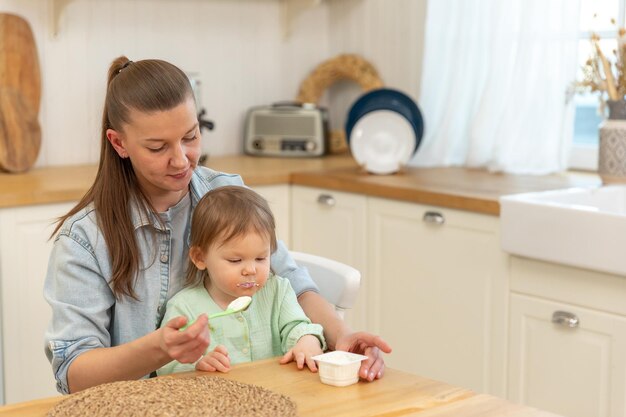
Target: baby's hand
(217, 360)
(307, 347)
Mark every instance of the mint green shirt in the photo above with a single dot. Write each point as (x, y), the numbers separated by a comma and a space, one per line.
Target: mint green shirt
(271, 325)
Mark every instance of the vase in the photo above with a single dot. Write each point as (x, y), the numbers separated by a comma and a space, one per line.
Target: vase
(612, 144)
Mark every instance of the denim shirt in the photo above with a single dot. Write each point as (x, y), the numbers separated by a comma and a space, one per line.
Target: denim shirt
(85, 313)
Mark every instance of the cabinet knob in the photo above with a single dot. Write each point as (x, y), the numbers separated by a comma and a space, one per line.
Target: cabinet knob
(326, 200)
(565, 318)
(434, 217)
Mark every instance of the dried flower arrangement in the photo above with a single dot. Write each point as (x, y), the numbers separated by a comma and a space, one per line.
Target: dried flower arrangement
(600, 74)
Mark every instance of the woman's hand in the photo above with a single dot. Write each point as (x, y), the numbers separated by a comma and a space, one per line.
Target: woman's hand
(217, 360)
(306, 347)
(369, 345)
(188, 345)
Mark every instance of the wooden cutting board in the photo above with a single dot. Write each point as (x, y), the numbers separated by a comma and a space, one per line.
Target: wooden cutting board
(19, 62)
(20, 135)
(20, 95)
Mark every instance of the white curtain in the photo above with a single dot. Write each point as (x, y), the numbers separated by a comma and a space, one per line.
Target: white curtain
(494, 81)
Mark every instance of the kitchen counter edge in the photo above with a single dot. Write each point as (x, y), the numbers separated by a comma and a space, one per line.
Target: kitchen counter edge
(472, 190)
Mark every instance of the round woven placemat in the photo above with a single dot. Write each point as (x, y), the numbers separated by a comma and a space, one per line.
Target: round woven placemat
(197, 396)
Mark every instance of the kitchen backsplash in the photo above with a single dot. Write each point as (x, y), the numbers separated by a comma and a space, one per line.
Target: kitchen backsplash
(244, 52)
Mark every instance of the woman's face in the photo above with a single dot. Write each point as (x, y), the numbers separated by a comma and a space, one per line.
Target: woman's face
(163, 147)
(236, 268)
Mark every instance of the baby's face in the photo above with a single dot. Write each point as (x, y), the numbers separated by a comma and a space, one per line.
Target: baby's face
(238, 267)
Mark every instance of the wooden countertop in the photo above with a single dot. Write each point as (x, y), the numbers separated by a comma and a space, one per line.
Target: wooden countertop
(268, 171)
(396, 394)
(69, 183)
(459, 188)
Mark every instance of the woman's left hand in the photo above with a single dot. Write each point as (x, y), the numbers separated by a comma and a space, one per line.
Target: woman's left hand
(369, 345)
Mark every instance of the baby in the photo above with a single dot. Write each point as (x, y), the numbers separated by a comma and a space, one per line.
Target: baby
(232, 237)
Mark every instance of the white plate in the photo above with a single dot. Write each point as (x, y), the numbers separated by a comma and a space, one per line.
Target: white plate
(382, 141)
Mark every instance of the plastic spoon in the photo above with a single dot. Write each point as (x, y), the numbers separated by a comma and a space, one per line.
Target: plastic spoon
(235, 306)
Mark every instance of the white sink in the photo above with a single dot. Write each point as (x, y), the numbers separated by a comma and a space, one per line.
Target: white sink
(582, 227)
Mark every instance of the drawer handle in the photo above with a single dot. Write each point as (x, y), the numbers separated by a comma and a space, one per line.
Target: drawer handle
(565, 318)
(326, 200)
(434, 217)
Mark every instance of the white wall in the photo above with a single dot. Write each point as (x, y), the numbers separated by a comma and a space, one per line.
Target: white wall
(388, 33)
(239, 48)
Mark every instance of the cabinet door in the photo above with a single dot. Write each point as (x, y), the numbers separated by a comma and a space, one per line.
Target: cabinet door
(24, 252)
(432, 294)
(278, 197)
(332, 224)
(574, 371)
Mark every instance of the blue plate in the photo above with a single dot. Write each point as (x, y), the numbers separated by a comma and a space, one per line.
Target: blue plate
(387, 99)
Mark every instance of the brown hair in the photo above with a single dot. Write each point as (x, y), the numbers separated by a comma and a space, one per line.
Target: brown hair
(226, 213)
(147, 86)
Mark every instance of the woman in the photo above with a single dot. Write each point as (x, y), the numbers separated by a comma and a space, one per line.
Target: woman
(119, 255)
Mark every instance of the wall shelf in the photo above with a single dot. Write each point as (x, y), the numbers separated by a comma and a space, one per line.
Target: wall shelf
(56, 8)
(289, 9)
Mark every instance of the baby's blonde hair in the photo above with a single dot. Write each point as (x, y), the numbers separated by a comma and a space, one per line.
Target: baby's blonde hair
(226, 213)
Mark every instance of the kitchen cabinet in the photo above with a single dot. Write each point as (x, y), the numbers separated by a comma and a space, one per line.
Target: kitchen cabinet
(434, 283)
(436, 294)
(567, 339)
(332, 224)
(278, 198)
(24, 252)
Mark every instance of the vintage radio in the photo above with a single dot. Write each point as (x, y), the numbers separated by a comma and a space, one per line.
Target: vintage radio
(286, 129)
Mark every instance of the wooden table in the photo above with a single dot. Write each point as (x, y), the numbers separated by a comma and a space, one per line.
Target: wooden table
(396, 394)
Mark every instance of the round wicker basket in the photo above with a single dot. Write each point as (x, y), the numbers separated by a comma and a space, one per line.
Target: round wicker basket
(342, 67)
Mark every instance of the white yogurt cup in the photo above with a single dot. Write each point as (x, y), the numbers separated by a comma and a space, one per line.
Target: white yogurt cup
(339, 368)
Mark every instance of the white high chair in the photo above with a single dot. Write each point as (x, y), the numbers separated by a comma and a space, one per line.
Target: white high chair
(338, 283)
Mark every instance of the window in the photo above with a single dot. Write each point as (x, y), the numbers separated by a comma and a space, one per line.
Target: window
(595, 17)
